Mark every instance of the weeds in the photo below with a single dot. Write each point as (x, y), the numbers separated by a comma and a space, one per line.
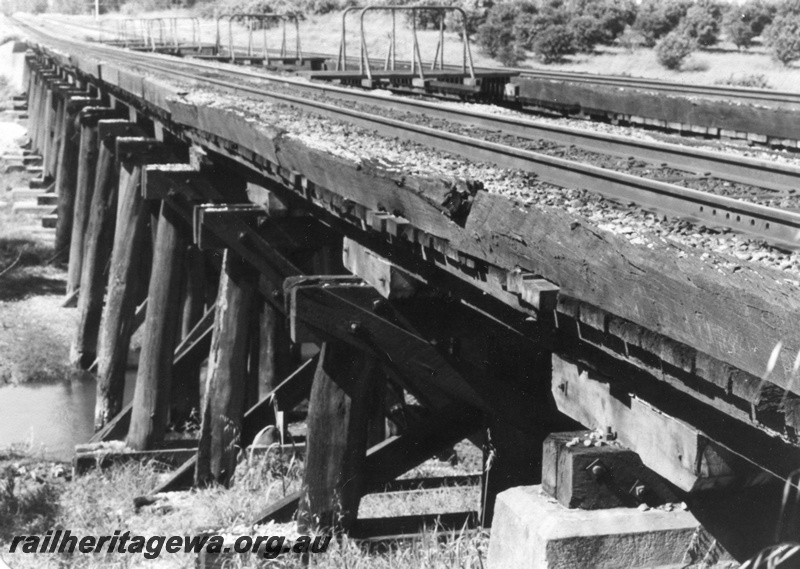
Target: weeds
(753, 81)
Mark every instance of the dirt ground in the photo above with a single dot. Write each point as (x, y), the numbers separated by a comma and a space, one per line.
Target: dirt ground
(34, 328)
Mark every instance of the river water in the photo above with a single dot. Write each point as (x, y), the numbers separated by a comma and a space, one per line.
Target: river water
(51, 418)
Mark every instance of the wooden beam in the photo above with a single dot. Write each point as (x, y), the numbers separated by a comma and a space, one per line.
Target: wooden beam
(85, 460)
(192, 342)
(399, 454)
(599, 475)
(234, 225)
(99, 241)
(87, 163)
(274, 349)
(338, 415)
(124, 273)
(398, 333)
(223, 400)
(389, 279)
(405, 527)
(289, 393)
(670, 447)
(281, 511)
(154, 378)
(342, 308)
(67, 175)
(391, 458)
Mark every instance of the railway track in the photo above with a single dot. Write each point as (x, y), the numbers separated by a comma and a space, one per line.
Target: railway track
(766, 97)
(776, 226)
(757, 96)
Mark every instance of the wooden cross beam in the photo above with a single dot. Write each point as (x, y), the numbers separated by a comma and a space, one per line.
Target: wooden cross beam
(342, 308)
(289, 393)
(396, 455)
(357, 314)
(681, 453)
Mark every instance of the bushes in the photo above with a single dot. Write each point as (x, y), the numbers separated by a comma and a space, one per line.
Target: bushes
(745, 22)
(657, 18)
(551, 29)
(753, 81)
(586, 32)
(702, 22)
(498, 36)
(610, 17)
(673, 49)
(69, 6)
(8, 7)
(783, 38)
(553, 43)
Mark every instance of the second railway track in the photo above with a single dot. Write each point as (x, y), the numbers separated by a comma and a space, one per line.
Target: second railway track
(775, 225)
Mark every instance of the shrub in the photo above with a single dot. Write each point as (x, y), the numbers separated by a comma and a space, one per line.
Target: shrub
(657, 18)
(610, 18)
(787, 8)
(553, 43)
(754, 81)
(8, 7)
(783, 38)
(69, 6)
(745, 22)
(702, 22)
(477, 12)
(587, 33)
(673, 49)
(530, 24)
(497, 37)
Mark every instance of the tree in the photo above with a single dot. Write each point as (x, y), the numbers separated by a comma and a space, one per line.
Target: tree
(783, 37)
(553, 43)
(703, 21)
(586, 32)
(498, 36)
(610, 17)
(674, 48)
(657, 18)
(745, 22)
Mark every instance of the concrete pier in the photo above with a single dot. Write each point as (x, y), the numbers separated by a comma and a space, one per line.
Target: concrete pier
(534, 531)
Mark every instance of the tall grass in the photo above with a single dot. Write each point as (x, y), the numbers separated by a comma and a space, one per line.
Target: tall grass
(101, 502)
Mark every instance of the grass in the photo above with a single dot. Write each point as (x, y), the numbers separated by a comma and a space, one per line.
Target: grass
(102, 501)
(723, 65)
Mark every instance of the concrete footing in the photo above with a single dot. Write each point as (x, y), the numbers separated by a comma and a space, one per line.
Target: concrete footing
(534, 531)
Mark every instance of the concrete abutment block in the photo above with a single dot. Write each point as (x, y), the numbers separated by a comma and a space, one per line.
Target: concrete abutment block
(534, 531)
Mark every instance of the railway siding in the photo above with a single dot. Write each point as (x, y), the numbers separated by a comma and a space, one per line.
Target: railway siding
(711, 114)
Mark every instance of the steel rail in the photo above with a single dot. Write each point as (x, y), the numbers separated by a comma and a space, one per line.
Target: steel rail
(774, 225)
(783, 178)
(746, 93)
(762, 96)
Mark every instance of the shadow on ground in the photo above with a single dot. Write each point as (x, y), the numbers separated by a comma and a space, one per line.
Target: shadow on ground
(25, 269)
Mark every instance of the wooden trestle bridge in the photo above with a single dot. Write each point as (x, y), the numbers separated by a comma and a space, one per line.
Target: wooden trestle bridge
(228, 241)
